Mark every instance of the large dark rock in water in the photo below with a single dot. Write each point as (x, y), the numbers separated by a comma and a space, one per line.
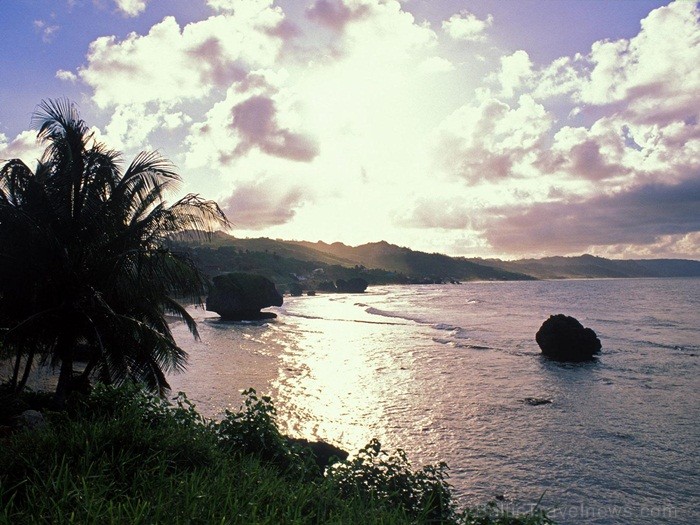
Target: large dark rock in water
(241, 296)
(565, 339)
(353, 285)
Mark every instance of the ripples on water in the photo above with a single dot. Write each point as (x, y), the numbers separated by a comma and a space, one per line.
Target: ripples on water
(442, 371)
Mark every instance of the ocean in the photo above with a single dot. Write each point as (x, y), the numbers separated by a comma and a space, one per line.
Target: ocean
(449, 372)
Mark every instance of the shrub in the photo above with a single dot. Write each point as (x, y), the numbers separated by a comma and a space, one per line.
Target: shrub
(253, 430)
(374, 474)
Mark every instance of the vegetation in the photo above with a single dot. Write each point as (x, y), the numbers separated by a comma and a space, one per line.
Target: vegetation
(86, 260)
(121, 455)
(309, 264)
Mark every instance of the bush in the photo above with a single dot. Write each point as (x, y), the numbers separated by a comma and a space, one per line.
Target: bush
(253, 430)
(374, 474)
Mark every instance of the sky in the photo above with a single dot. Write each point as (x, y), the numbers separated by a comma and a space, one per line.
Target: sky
(481, 128)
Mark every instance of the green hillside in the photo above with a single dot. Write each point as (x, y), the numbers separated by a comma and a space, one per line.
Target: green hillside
(313, 264)
(589, 267)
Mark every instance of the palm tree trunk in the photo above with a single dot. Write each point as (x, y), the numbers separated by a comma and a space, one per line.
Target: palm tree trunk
(15, 371)
(65, 352)
(27, 369)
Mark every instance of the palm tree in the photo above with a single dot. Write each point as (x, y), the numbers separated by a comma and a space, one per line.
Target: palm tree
(86, 258)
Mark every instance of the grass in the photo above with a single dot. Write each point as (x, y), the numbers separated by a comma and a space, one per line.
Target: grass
(123, 456)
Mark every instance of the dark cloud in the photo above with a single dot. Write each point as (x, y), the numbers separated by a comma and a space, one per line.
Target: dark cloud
(586, 160)
(261, 204)
(335, 14)
(286, 30)
(214, 65)
(255, 120)
(638, 216)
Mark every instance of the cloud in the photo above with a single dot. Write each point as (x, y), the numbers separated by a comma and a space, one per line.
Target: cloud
(249, 118)
(492, 140)
(131, 125)
(445, 213)
(173, 64)
(651, 78)
(255, 121)
(131, 7)
(641, 216)
(466, 26)
(46, 30)
(67, 76)
(24, 146)
(516, 70)
(261, 204)
(436, 64)
(335, 13)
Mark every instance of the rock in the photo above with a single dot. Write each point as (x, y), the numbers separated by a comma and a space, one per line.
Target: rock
(536, 401)
(354, 285)
(565, 339)
(322, 452)
(295, 290)
(327, 286)
(31, 419)
(241, 296)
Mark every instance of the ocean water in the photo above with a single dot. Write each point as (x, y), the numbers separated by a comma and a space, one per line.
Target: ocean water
(443, 372)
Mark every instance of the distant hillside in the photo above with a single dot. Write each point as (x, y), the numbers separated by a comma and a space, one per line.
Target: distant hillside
(413, 263)
(287, 262)
(589, 266)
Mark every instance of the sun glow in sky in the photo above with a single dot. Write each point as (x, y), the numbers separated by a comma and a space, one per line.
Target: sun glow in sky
(476, 128)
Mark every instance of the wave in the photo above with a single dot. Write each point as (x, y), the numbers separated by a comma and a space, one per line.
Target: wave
(459, 344)
(457, 331)
(314, 317)
(383, 313)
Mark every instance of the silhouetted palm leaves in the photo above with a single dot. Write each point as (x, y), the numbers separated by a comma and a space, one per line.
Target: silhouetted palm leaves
(85, 260)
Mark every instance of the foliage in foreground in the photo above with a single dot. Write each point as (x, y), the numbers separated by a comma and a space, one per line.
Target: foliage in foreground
(124, 456)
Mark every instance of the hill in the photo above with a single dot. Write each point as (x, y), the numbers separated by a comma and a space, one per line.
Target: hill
(311, 264)
(590, 266)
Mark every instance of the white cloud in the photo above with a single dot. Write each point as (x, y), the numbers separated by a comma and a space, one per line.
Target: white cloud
(67, 76)
(24, 146)
(131, 7)
(46, 30)
(436, 64)
(466, 26)
(516, 69)
(173, 64)
(492, 140)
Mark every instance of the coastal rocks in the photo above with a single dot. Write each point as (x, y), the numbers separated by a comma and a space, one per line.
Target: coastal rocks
(536, 401)
(563, 338)
(353, 285)
(241, 296)
(295, 290)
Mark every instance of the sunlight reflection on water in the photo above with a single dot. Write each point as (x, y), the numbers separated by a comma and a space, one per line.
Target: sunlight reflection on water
(442, 371)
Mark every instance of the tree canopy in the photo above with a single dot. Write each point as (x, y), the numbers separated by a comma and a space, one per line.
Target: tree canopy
(86, 260)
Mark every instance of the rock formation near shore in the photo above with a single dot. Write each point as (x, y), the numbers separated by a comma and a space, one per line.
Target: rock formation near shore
(563, 338)
(241, 296)
(354, 285)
